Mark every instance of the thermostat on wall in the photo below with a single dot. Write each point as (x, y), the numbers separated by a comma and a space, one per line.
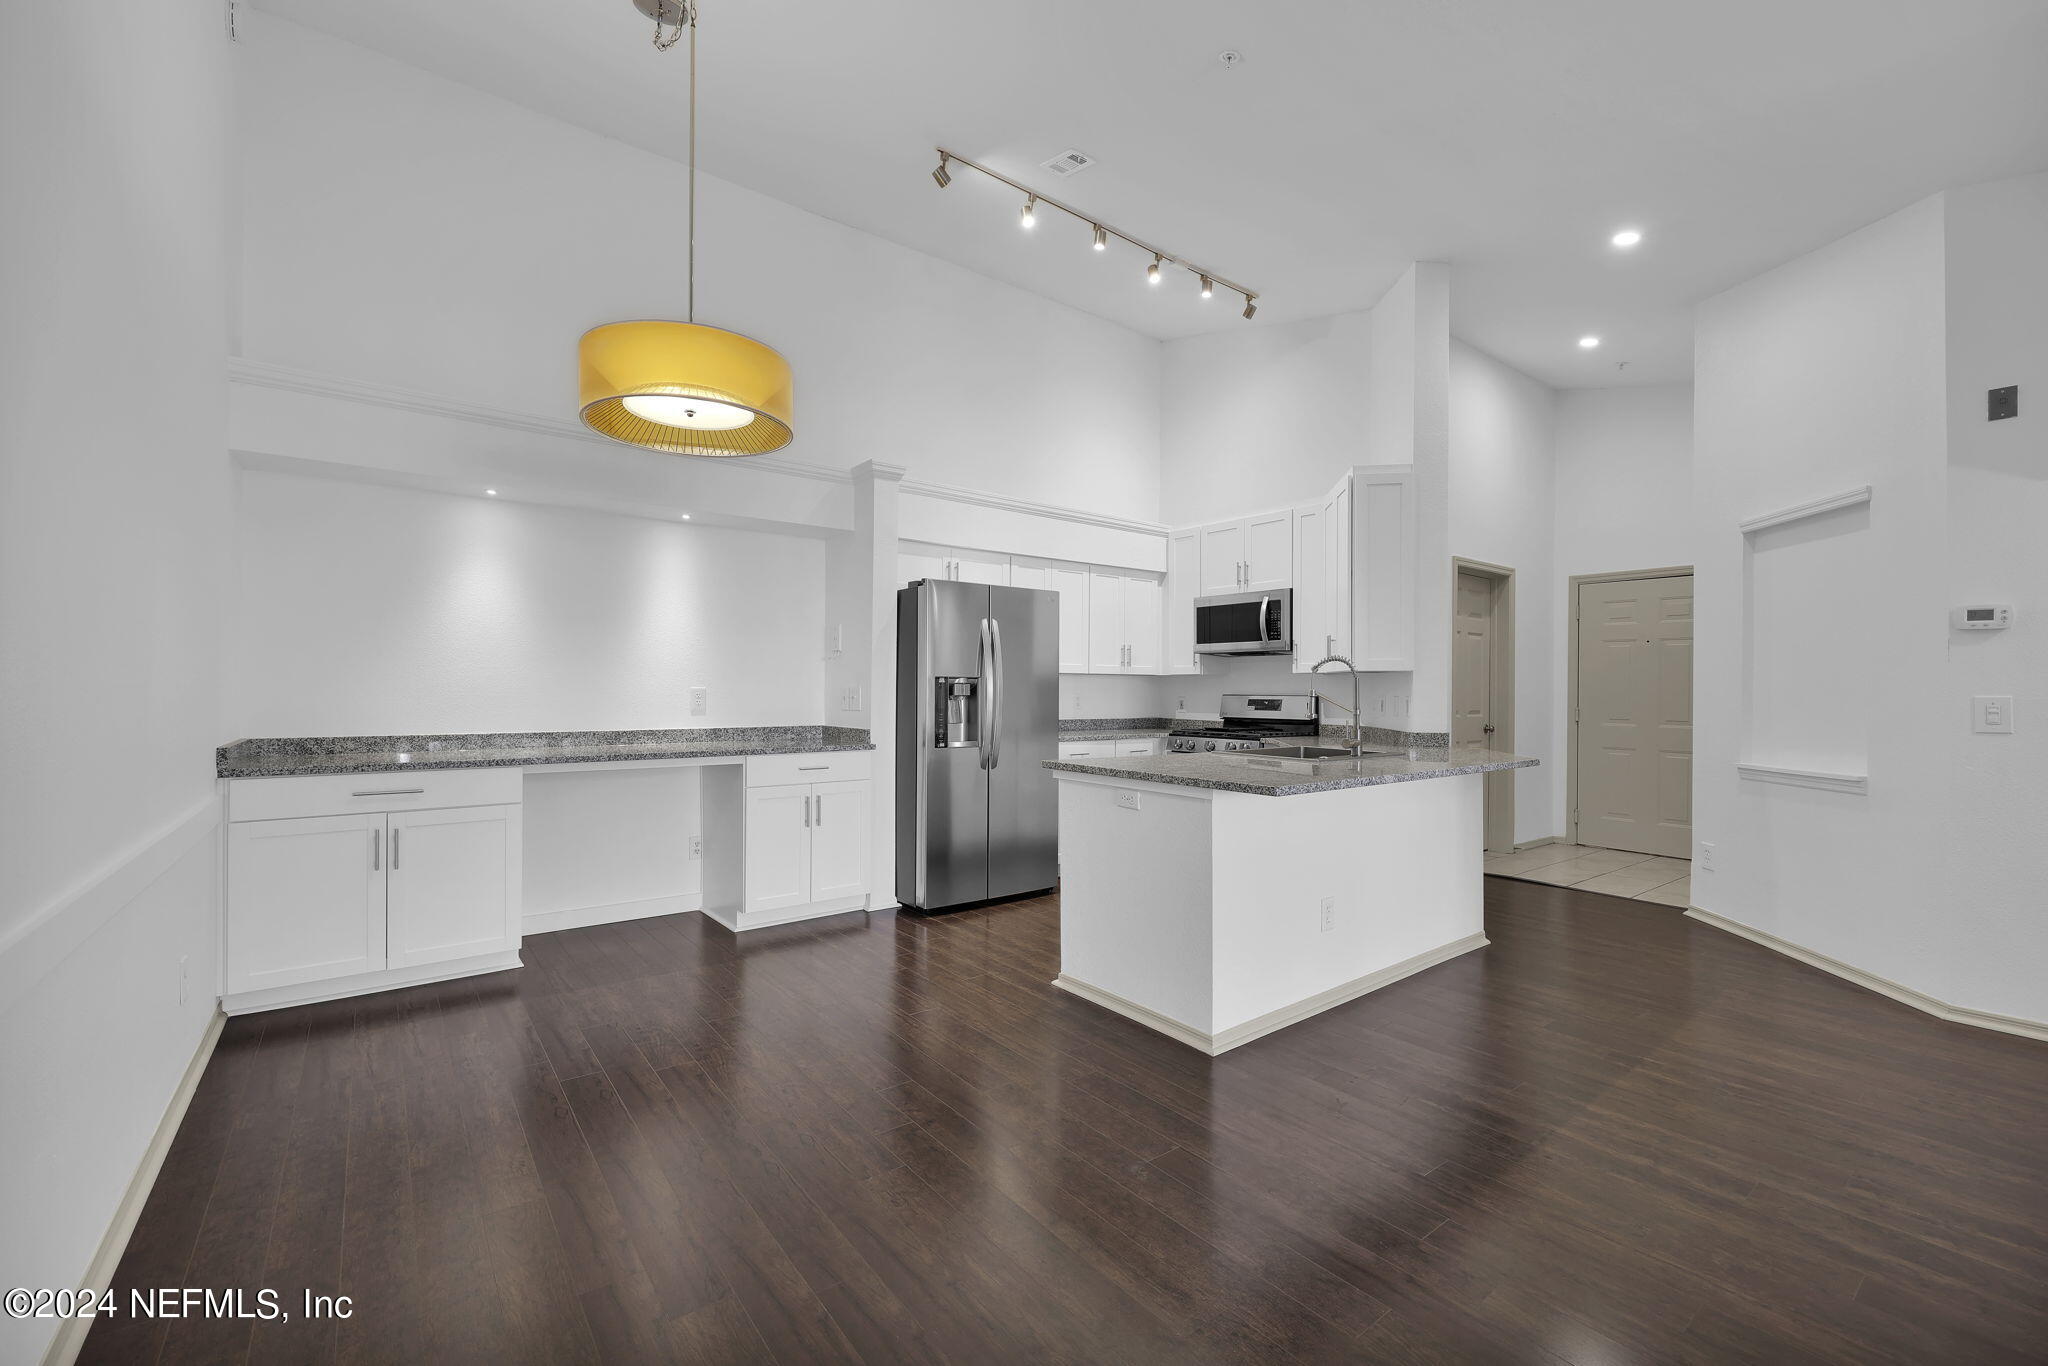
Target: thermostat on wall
(1992, 617)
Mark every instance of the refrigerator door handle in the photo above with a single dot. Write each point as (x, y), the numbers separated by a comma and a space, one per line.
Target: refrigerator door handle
(927, 722)
(992, 740)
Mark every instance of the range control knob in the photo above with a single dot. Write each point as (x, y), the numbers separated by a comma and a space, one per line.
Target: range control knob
(1209, 744)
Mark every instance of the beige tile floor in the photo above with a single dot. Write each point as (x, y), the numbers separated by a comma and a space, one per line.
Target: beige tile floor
(1640, 877)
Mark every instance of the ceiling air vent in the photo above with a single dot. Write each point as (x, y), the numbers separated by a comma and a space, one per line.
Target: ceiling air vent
(1068, 162)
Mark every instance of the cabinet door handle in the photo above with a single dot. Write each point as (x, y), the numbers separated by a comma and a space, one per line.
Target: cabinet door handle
(807, 813)
(820, 800)
(390, 792)
(376, 858)
(394, 851)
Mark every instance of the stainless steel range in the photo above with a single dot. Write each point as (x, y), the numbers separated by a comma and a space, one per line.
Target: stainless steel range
(1250, 721)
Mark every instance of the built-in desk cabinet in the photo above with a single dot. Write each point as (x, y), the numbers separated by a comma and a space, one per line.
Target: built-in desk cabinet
(343, 885)
(805, 822)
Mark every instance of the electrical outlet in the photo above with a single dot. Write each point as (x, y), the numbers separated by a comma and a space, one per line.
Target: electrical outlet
(1706, 858)
(700, 701)
(1329, 914)
(184, 980)
(696, 846)
(850, 699)
(1127, 800)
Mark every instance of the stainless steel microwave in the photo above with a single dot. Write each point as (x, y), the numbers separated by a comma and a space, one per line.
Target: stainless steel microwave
(1245, 623)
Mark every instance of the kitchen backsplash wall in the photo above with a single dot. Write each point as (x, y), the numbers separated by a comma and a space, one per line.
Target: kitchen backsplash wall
(1385, 696)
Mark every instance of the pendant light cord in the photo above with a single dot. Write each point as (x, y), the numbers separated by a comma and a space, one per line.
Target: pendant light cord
(686, 19)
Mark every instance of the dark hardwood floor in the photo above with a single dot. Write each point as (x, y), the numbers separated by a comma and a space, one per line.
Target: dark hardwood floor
(1613, 1136)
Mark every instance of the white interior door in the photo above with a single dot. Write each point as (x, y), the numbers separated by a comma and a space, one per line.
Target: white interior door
(1144, 623)
(1634, 751)
(839, 840)
(454, 891)
(778, 841)
(305, 900)
(1472, 663)
(1070, 581)
(1105, 622)
(1222, 558)
(1268, 551)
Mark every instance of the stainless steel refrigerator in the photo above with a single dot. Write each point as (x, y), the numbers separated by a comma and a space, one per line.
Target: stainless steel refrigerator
(977, 714)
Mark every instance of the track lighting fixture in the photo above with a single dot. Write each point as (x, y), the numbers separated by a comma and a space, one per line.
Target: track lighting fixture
(1028, 216)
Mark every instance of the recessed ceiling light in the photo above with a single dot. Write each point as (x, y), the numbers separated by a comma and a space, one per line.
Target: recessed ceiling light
(686, 516)
(1588, 343)
(1627, 237)
(490, 493)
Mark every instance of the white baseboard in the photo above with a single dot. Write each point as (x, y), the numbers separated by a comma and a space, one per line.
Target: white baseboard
(1273, 1020)
(64, 1348)
(1919, 1000)
(1538, 844)
(363, 983)
(547, 922)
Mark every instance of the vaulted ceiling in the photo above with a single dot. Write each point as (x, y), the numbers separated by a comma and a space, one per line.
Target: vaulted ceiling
(1506, 138)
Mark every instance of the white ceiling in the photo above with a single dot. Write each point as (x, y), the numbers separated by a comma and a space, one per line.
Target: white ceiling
(1504, 137)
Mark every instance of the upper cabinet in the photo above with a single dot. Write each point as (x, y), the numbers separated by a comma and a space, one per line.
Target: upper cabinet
(1354, 556)
(1247, 554)
(916, 560)
(1183, 570)
(1126, 623)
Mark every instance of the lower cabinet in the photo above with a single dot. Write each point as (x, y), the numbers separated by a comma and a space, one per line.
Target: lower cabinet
(381, 896)
(1109, 749)
(807, 843)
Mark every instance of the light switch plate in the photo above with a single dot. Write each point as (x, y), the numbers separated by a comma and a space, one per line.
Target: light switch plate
(850, 700)
(1991, 715)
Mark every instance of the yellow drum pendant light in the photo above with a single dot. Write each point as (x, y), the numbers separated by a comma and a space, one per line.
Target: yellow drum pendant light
(684, 387)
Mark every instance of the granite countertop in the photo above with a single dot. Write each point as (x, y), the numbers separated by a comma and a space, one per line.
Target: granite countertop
(1235, 772)
(345, 754)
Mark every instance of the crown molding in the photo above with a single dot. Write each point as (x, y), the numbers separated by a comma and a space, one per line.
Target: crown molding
(1799, 512)
(264, 375)
(953, 493)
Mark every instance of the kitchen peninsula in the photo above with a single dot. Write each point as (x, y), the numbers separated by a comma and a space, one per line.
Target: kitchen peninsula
(1217, 898)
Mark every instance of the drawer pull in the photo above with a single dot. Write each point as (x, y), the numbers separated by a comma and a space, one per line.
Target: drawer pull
(812, 768)
(390, 792)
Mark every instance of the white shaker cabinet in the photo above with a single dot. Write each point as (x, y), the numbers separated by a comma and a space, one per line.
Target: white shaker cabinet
(305, 900)
(916, 560)
(778, 843)
(1183, 575)
(452, 879)
(840, 840)
(1126, 622)
(1247, 554)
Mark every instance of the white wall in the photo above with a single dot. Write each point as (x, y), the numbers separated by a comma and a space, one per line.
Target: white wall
(409, 231)
(1825, 374)
(113, 546)
(1256, 418)
(1502, 485)
(1997, 506)
(365, 610)
(1624, 501)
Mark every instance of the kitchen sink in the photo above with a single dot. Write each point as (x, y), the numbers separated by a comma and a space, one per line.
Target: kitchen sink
(1300, 752)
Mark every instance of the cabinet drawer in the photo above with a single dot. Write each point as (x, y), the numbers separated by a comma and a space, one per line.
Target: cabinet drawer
(267, 799)
(774, 770)
(1088, 749)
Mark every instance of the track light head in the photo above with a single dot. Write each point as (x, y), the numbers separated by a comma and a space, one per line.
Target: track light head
(1208, 288)
(942, 175)
(1249, 307)
(1152, 271)
(1101, 238)
(1025, 216)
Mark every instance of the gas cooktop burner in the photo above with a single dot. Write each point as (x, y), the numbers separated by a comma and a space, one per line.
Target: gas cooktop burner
(1249, 722)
